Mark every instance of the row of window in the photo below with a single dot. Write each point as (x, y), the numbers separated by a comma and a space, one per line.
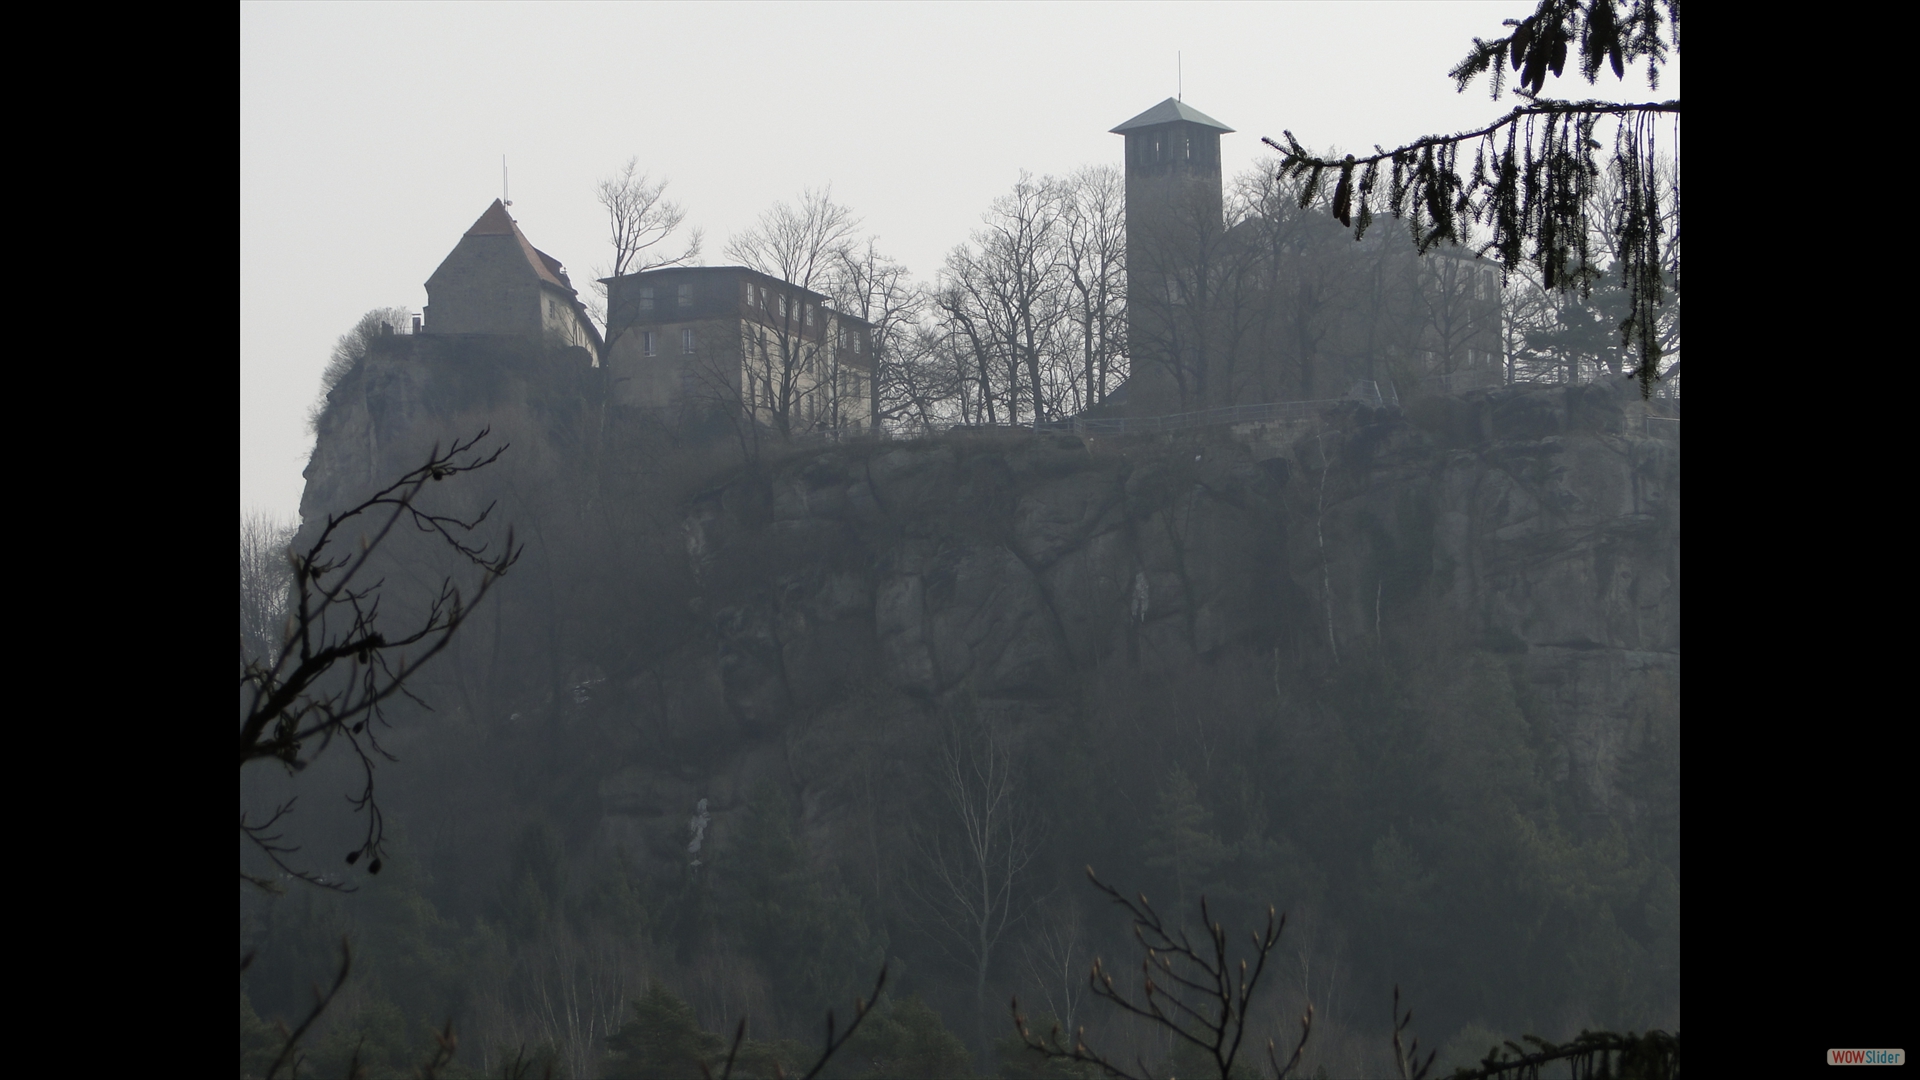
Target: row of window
(811, 402)
(684, 298)
(757, 297)
(1173, 146)
(650, 342)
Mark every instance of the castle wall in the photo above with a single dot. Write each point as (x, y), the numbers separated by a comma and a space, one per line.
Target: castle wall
(485, 287)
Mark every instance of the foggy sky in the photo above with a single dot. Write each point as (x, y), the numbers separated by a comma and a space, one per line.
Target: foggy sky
(371, 136)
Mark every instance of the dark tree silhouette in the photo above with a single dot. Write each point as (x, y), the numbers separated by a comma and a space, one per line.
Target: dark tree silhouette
(337, 663)
(1532, 172)
(1198, 993)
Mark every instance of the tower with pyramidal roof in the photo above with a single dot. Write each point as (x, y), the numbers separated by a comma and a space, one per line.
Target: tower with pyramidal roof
(1174, 216)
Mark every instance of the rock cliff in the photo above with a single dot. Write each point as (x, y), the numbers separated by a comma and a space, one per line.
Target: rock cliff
(1537, 525)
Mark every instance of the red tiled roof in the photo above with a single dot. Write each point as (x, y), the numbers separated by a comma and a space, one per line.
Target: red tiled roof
(497, 222)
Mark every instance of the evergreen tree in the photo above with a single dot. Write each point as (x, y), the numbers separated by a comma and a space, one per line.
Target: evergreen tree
(662, 1040)
(259, 1042)
(812, 939)
(1180, 840)
(906, 1039)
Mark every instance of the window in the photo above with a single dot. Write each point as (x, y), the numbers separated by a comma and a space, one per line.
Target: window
(783, 307)
(749, 295)
(856, 343)
(686, 296)
(686, 340)
(646, 304)
(647, 339)
(809, 311)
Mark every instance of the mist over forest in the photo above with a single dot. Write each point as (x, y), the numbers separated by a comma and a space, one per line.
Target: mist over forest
(674, 678)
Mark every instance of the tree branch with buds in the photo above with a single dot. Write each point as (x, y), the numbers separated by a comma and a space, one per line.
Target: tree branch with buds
(339, 665)
(1199, 993)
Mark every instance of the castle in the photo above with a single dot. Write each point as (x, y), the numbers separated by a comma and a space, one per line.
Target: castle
(1210, 306)
(683, 338)
(495, 282)
(1201, 298)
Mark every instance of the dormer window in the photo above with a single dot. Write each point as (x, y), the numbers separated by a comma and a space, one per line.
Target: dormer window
(686, 296)
(809, 310)
(646, 300)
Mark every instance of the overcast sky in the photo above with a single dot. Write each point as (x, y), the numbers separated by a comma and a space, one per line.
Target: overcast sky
(371, 135)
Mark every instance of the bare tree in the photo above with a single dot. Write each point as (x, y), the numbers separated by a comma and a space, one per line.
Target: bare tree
(1093, 255)
(1195, 308)
(1055, 959)
(928, 380)
(975, 852)
(1459, 305)
(804, 244)
(966, 333)
(792, 374)
(351, 348)
(639, 220)
(1197, 993)
(266, 575)
(878, 291)
(338, 664)
(1005, 296)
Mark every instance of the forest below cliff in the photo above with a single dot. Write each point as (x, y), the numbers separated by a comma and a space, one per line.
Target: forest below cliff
(734, 732)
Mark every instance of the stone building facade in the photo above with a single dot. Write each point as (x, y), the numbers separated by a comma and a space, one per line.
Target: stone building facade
(495, 282)
(709, 338)
(1174, 216)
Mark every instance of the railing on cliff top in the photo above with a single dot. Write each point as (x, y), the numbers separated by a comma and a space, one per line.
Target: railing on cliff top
(1366, 392)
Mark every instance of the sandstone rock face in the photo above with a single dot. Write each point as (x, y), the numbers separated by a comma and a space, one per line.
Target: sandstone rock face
(1542, 524)
(1538, 524)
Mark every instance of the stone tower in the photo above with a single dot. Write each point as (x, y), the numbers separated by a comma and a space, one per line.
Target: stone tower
(1173, 211)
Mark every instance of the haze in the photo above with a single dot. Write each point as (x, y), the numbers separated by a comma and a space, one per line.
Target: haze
(372, 136)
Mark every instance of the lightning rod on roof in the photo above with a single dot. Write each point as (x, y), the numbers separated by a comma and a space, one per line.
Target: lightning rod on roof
(1179, 78)
(504, 199)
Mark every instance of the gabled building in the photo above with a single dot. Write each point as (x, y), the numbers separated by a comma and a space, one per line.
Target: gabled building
(496, 282)
(725, 338)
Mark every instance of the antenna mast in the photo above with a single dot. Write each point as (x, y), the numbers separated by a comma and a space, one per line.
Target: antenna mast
(1179, 86)
(504, 196)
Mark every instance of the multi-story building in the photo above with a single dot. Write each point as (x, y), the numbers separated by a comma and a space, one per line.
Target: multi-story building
(703, 339)
(495, 282)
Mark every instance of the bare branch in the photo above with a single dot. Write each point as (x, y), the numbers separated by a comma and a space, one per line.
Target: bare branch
(336, 666)
(1197, 994)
